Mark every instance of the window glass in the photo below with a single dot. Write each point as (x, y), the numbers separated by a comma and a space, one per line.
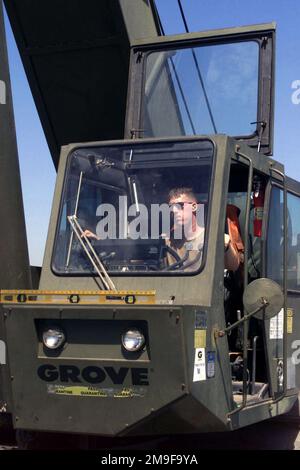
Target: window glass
(275, 237)
(141, 208)
(202, 90)
(293, 242)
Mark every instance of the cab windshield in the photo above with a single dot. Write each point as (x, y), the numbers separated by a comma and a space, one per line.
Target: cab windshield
(141, 208)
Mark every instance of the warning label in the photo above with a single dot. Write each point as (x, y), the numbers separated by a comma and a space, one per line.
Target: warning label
(199, 365)
(82, 391)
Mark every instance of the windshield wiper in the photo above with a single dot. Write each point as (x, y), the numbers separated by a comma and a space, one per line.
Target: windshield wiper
(91, 254)
(86, 244)
(75, 213)
(136, 201)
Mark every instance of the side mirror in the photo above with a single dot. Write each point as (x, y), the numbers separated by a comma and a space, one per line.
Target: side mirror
(264, 297)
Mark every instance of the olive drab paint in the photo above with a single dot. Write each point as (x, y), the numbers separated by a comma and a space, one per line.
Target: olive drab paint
(14, 260)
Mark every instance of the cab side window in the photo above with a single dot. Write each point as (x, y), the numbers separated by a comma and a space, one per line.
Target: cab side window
(275, 237)
(293, 242)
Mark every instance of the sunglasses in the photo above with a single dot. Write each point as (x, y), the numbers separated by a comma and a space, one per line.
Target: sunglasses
(180, 205)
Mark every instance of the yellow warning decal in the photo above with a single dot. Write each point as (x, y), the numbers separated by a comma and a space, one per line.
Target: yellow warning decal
(200, 339)
(123, 297)
(290, 313)
(82, 391)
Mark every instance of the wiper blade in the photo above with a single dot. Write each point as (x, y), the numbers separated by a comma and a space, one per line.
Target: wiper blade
(75, 213)
(91, 254)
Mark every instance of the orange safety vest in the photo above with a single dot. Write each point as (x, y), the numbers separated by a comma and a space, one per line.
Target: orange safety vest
(232, 215)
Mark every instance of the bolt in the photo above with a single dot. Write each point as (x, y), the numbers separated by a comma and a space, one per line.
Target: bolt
(219, 334)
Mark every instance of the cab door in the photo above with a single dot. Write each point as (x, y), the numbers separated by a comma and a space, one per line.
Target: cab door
(283, 266)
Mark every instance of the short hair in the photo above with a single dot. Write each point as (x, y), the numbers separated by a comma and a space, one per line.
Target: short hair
(177, 192)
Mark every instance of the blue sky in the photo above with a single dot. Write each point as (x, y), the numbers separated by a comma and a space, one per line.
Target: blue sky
(37, 171)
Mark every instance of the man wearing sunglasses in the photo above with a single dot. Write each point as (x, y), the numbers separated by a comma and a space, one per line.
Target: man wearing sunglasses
(187, 235)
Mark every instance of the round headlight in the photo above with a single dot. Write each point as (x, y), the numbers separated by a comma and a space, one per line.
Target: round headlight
(53, 338)
(133, 340)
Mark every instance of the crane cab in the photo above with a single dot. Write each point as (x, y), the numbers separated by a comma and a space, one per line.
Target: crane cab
(127, 336)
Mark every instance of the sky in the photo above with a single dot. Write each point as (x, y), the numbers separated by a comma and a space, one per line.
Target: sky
(37, 170)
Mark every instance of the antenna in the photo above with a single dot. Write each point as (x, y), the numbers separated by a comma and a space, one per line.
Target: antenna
(198, 70)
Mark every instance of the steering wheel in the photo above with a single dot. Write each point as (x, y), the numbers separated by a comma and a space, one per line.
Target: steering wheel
(178, 260)
(178, 264)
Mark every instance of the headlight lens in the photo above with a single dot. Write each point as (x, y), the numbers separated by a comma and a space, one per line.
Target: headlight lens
(54, 338)
(133, 340)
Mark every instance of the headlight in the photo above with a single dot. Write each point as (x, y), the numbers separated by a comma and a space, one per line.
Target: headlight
(53, 338)
(133, 340)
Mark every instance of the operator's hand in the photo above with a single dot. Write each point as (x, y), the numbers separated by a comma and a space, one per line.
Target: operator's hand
(232, 258)
(226, 241)
(90, 234)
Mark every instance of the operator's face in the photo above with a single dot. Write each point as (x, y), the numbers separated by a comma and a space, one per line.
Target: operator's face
(183, 208)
